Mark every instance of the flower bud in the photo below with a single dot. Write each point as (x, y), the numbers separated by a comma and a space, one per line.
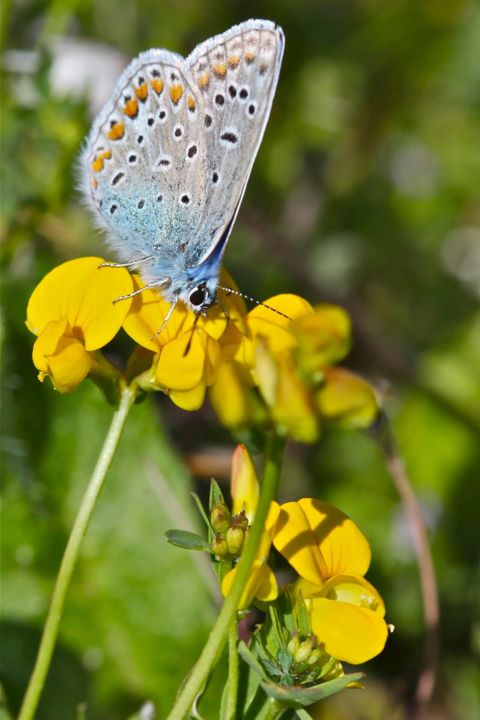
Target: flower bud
(220, 517)
(293, 644)
(235, 538)
(315, 657)
(219, 545)
(241, 520)
(305, 650)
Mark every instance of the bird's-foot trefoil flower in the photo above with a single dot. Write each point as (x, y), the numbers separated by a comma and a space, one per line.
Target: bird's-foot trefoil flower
(331, 556)
(73, 315)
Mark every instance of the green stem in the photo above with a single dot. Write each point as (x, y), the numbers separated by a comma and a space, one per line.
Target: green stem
(195, 682)
(70, 556)
(275, 710)
(232, 680)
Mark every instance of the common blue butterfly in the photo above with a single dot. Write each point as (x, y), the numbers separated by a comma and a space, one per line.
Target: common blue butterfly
(168, 158)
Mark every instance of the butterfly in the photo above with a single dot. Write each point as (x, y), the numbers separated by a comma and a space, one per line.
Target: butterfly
(168, 158)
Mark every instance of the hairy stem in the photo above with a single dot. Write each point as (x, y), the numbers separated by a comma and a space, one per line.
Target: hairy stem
(70, 556)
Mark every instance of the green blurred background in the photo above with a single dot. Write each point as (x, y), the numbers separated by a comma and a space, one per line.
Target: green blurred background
(365, 192)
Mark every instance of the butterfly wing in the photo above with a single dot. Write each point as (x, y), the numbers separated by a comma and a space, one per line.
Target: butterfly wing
(144, 155)
(235, 75)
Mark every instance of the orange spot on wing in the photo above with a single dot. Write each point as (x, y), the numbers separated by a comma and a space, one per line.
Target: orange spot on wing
(220, 69)
(203, 80)
(176, 92)
(157, 85)
(234, 61)
(99, 160)
(142, 92)
(191, 103)
(250, 56)
(94, 184)
(116, 132)
(131, 108)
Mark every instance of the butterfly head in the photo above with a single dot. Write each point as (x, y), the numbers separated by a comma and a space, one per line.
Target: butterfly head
(200, 296)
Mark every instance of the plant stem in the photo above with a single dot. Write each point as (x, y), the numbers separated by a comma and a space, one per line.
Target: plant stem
(275, 710)
(428, 581)
(70, 556)
(195, 682)
(232, 680)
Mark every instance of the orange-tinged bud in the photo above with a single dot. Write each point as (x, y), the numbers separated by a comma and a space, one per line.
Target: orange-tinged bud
(240, 520)
(221, 517)
(219, 545)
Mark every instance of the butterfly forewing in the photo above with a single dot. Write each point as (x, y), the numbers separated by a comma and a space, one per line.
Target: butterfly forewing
(236, 75)
(145, 158)
(167, 160)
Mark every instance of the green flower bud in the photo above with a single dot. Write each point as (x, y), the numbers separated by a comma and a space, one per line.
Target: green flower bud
(305, 650)
(235, 538)
(293, 645)
(219, 545)
(221, 517)
(315, 657)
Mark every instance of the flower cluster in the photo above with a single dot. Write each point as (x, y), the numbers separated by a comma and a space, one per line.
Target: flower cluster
(284, 372)
(330, 555)
(276, 364)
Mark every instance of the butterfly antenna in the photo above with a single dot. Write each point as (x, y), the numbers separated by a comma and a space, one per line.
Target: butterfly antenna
(253, 300)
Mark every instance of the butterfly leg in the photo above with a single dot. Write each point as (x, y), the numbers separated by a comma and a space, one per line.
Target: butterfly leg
(129, 265)
(140, 290)
(167, 318)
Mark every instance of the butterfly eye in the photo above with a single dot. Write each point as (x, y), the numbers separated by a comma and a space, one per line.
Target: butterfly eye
(197, 296)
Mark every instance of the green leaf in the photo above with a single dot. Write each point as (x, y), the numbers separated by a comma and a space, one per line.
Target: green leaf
(137, 609)
(187, 540)
(216, 495)
(248, 657)
(303, 696)
(202, 512)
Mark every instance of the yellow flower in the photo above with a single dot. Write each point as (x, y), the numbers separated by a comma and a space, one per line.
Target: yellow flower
(261, 584)
(331, 556)
(347, 399)
(190, 348)
(292, 365)
(72, 312)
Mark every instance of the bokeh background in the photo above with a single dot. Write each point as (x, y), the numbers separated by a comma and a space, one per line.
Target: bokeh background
(366, 193)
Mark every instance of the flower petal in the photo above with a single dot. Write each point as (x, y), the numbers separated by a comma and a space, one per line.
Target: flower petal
(82, 293)
(293, 411)
(182, 361)
(189, 399)
(231, 396)
(68, 365)
(355, 590)
(347, 398)
(347, 632)
(147, 314)
(275, 328)
(244, 483)
(323, 337)
(320, 541)
(267, 588)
